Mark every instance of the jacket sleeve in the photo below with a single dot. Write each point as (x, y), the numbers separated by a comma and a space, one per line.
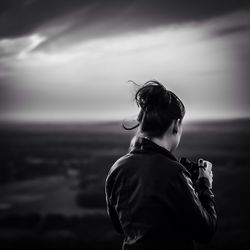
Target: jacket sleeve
(194, 206)
(111, 209)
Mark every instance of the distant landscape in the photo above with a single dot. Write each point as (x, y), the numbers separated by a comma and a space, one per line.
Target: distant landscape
(52, 181)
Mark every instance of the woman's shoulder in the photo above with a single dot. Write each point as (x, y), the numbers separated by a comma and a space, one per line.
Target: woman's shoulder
(150, 163)
(118, 163)
(172, 167)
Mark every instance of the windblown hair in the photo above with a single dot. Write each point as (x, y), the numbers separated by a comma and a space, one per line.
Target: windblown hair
(158, 108)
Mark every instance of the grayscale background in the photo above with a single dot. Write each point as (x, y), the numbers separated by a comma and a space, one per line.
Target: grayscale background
(64, 91)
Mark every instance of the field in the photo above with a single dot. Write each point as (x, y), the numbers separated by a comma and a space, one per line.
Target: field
(52, 182)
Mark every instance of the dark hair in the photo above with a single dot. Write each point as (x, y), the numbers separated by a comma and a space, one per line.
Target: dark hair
(159, 107)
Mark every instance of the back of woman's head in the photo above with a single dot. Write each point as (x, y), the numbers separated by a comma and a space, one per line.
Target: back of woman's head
(158, 108)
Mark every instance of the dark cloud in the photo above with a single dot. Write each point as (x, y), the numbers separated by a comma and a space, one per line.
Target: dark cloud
(23, 17)
(232, 30)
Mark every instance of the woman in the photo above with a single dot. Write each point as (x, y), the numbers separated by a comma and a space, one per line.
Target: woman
(150, 196)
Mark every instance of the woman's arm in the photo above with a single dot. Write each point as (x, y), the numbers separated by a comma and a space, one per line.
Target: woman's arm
(195, 211)
(110, 208)
(114, 217)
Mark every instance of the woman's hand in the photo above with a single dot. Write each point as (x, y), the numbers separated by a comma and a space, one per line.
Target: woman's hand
(206, 171)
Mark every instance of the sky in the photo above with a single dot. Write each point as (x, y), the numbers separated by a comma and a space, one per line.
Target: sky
(72, 60)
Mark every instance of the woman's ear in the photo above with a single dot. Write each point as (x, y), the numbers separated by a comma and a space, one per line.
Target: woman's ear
(176, 127)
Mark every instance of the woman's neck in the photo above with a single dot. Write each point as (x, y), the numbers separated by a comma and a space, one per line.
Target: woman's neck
(162, 142)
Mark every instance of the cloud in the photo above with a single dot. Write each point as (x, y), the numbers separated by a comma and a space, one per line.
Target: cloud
(65, 22)
(13, 51)
(233, 30)
(21, 18)
(232, 24)
(69, 46)
(19, 47)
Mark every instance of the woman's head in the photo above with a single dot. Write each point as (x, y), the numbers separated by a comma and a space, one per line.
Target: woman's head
(159, 107)
(160, 110)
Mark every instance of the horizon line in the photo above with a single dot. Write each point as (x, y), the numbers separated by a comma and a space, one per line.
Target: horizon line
(108, 120)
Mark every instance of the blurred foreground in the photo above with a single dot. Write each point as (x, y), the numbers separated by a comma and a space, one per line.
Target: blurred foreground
(52, 182)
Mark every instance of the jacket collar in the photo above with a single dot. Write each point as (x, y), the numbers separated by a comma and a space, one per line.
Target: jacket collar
(143, 143)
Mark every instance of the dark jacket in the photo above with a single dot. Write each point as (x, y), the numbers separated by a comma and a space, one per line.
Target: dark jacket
(152, 201)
